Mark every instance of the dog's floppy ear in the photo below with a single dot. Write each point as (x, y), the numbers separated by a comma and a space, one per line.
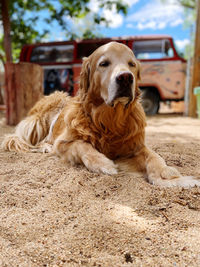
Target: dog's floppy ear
(137, 91)
(138, 70)
(84, 76)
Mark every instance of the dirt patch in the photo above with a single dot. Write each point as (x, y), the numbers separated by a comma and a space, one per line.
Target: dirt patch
(53, 214)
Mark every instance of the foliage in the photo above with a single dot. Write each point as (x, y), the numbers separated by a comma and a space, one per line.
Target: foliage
(189, 10)
(188, 4)
(25, 14)
(191, 4)
(189, 22)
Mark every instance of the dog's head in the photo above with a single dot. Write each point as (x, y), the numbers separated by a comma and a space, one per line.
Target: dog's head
(110, 74)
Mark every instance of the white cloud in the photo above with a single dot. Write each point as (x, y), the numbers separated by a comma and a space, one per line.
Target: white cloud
(79, 26)
(94, 5)
(156, 15)
(129, 25)
(130, 2)
(176, 22)
(115, 19)
(182, 43)
(151, 25)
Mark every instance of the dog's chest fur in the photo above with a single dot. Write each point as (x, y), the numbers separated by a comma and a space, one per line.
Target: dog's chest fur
(115, 132)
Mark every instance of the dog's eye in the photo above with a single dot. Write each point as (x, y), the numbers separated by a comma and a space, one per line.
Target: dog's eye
(131, 64)
(104, 63)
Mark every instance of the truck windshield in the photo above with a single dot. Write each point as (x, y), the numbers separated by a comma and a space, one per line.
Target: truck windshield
(85, 49)
(153, 49)
(52, 53)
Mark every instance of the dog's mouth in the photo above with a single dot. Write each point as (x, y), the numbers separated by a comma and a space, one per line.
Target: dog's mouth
(124, 100)
(123, 96)
(121, 90)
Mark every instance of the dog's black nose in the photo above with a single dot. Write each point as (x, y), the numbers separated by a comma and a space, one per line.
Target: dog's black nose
(124, 78)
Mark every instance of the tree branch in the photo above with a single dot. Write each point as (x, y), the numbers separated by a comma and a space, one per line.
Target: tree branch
(191, 4)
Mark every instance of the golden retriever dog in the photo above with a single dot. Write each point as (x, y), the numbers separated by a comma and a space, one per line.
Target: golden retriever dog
(103, 123)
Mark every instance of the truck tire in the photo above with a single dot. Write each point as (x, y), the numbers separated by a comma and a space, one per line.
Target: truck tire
(150, 101)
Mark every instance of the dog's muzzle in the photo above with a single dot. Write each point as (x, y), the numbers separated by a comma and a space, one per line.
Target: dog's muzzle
(124, 81)
(121, 89)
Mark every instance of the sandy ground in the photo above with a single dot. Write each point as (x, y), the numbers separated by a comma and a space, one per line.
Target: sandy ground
(53, 214)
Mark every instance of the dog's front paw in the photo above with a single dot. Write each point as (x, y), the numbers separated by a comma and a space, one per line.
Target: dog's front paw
(109, 168)
(169, 173)
(100, 164)
(162, 174)
(169, 177)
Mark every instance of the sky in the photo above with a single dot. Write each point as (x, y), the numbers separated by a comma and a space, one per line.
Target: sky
(144, 17)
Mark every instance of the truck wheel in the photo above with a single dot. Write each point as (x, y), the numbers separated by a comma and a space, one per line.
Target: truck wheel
(150, 101)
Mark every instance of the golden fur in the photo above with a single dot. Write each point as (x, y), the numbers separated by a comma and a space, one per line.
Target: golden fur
(104, 122)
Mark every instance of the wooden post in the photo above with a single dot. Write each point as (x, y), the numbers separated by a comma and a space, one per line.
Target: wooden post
(196, 67)
(6, 27)
(24, 86)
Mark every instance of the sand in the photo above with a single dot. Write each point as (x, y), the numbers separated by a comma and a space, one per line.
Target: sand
(53, 214)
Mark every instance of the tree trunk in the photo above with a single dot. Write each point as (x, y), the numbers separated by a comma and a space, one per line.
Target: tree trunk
(6, 27)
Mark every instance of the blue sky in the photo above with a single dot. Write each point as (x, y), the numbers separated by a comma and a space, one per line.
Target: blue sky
(151, 17)
(144, 17)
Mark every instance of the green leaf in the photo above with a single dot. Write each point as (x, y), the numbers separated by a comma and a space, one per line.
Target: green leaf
(24, 16)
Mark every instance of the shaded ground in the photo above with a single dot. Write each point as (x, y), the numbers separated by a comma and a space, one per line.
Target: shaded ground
(52, 214)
